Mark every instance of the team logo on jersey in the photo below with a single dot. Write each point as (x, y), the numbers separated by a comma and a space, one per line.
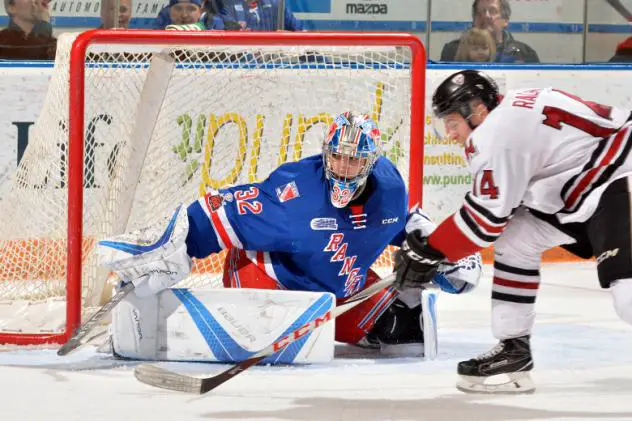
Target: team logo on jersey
(470, 150)
(214, 201)
(287, 192)
(339, 247)
(323, 224)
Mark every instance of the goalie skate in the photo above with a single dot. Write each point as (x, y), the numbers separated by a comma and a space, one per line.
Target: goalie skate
(509, 359)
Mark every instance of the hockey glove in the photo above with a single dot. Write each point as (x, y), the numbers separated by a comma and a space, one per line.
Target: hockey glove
(153, 258)
(416, 262)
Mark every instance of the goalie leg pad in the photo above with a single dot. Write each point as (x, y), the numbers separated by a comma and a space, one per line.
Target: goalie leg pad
(223, 325)
(429, 322)
(409, 327)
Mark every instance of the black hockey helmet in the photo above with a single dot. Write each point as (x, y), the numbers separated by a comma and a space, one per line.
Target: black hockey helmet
(455, 93)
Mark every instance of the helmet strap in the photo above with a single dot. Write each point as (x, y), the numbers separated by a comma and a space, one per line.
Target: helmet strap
(469, 122)
(468, 114)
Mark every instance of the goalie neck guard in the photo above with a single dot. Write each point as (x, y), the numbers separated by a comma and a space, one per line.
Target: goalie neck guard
(350, 150)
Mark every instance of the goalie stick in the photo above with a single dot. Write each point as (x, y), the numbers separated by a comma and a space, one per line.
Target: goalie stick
(166, 379)
(80, 335)
(621, 9)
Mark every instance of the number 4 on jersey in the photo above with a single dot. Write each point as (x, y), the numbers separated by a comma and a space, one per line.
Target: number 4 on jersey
(488, 187)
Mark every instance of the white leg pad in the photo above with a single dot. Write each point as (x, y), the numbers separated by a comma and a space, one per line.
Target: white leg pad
(223, 325)
(429, 322)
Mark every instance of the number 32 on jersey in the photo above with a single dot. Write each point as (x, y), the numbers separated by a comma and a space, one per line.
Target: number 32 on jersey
(245, 203)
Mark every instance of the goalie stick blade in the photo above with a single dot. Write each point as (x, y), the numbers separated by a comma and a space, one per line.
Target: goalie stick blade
(166, 379)
(80, 335)
(159, 377)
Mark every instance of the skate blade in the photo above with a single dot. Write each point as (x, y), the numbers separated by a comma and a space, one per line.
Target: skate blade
(519, 383)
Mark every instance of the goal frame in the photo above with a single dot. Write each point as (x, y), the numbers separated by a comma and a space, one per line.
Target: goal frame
(76, 126)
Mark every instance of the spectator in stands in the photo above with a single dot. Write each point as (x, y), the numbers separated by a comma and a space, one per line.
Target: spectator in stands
(476, 45)
(512, 53)
(212, 19)
(259, 15)
(184, 12)
(42, 17)
(623, 53)
(493, 15)
(209, 17)
(107, 13)
(27, 37)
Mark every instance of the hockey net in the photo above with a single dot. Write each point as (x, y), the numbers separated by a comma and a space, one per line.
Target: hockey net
(136, 122)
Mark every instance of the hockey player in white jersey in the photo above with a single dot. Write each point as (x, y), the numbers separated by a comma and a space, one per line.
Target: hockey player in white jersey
(313, 225)
(549, 169)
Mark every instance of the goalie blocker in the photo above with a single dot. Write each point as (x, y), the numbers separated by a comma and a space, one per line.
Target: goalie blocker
(230, 325)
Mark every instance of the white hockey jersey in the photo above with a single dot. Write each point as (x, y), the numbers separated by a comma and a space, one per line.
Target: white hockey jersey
(545, 149)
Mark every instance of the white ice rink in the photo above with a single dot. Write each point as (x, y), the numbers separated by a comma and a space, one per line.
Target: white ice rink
(583, 358)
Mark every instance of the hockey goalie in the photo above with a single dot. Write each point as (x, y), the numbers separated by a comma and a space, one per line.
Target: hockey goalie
(297, 243)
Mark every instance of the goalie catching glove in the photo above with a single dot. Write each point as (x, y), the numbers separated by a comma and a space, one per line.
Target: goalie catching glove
(154, 258)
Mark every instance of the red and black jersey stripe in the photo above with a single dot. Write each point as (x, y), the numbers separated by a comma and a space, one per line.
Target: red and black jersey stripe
(469, 230)
(481, 221)
(604, 161)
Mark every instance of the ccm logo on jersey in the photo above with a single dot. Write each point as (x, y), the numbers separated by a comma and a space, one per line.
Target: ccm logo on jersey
(323, 224)
(390, 220)
(607, 254)
(287, 192)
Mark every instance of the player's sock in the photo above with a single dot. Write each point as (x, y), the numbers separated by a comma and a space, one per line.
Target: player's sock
(510, 357)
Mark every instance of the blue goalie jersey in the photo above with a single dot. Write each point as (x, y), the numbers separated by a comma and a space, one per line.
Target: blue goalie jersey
(294, 233)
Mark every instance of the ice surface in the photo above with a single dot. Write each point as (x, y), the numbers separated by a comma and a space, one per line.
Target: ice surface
(582, 353)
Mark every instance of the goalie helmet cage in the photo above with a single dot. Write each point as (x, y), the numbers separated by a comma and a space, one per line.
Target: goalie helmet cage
(136, 122)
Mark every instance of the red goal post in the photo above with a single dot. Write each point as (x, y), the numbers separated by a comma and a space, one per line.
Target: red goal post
(84, 169)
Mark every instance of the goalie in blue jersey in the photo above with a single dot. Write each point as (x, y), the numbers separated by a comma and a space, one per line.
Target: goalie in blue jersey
(317, 224)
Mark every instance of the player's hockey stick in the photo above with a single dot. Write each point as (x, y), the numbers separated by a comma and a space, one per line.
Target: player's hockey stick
(621, 9)
(80, 335)
(166, 379)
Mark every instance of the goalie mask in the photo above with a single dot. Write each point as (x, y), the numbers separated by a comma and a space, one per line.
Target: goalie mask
(350, 150)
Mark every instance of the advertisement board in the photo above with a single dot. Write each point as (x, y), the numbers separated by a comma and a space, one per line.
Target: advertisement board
(446, 177)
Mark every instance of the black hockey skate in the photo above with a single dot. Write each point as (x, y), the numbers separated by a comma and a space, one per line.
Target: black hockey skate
(510, 357)
(397, 332)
